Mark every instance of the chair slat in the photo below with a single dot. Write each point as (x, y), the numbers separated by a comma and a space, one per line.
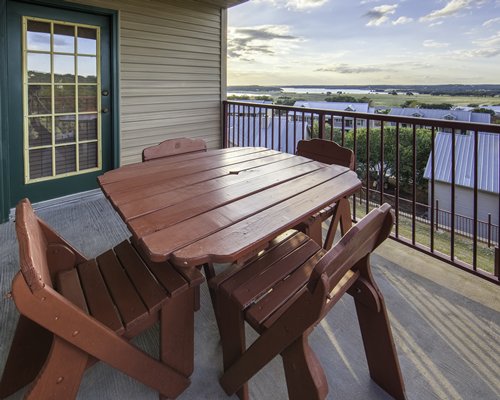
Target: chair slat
(130, 306)
(69, 285)
(152, 293)
(99, 300)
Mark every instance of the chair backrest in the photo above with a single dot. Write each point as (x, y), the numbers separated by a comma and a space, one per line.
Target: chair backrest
(32, 247)
(326, 151)
(172, 147)
(357, 244)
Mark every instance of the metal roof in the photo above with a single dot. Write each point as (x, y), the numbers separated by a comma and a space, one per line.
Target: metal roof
(336, 106)
(488, 160)
(455, 115)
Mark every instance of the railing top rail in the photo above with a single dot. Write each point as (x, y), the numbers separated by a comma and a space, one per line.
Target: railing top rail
(470, 126)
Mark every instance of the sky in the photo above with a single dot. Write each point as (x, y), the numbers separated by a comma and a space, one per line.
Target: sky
(361, 42)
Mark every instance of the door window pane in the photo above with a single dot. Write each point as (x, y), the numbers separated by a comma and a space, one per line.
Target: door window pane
(87, 127)
(40, 163)
(64, 98)
(65, 129)
(64, 38)
(38, 68)
(64, 69)
(65, 159)
(38, 36)
(87, 69)
(39, 99)
(87, 41)
(40, 131)
(87, 98)
(88, 155)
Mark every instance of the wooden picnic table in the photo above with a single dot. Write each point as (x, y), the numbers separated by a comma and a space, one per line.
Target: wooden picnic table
(221, 206)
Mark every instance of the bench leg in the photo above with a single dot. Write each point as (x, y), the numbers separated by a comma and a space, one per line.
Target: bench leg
(62, 373)
(342, 216)
(377, 338)
(27, 355)
(177, 332)
(232, 333)
(305, 378)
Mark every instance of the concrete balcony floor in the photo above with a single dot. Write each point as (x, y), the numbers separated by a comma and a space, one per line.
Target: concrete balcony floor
(446, 325)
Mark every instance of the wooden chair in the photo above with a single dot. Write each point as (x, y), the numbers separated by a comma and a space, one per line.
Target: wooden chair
(76, 311)
(327, 152)
(172, 147)
(287, 291)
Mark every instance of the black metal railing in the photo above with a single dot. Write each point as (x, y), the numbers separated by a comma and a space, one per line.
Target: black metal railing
(442, 177)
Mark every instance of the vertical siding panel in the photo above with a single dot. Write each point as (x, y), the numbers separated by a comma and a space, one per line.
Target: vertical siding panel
(172, 72)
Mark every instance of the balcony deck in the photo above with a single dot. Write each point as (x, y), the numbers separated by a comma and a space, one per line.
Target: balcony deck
(446, 324)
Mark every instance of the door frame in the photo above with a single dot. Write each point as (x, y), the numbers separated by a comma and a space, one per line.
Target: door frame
(5, 159)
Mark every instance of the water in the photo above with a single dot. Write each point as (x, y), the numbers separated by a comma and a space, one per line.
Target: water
(314, 91)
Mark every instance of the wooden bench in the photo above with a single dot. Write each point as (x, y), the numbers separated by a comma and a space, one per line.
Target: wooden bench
(286, 291)
(327, 152)
(76, 311)
(172, 147)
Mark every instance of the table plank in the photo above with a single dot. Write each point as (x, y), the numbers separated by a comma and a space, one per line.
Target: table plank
(253, 233)
(173, 206)
(314, 190)
(134, 194)
(156, 174)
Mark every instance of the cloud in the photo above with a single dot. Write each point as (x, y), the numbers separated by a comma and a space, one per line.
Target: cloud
(351, 69)
(491, 21)
(247, 43)
(451, 8)
(295, 4)
(380, 14)
(486, 48)
(402, 21)
(433, 44)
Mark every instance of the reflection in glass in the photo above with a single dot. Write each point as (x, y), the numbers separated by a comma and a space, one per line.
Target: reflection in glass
(39, 99)
(64, 38)
(38, 68)
(87, 69)
(87, 127)
(40, 131)
(65, 129)
(87, 98)
(38, 36)
(64, 98)
(40, 163)
(87, 41)
(65, 159)
(64, 69)
(88, 155)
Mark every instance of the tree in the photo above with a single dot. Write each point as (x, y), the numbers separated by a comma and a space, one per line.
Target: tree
(484, 111)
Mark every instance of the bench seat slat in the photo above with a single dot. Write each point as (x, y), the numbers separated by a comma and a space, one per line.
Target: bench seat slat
(130, 306)
(99, 300)
(151, 292)
(69, 285)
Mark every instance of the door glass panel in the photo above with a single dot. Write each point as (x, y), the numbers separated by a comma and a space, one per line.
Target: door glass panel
(40, 163)
(38, 35)
(62, 122)
(87, 127)
(64, 69)
(40, 131)
(87, 98)
(38, 68)
(39, 99)
(65, 159)
(87, 69)
(87, 41)
(65, 129)
(64, 38)
(64, 96)
(88, 155)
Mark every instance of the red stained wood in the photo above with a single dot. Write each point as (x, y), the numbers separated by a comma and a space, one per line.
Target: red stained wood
(173, 147)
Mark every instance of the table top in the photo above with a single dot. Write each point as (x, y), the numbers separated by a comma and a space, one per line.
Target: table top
(221, 205)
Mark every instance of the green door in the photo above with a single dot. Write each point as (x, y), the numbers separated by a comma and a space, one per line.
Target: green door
(59, 101)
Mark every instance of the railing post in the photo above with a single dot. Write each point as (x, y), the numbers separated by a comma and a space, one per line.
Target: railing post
(437, 215)
(225, 116)
(496, 271)
(321, 125)
(489, 230)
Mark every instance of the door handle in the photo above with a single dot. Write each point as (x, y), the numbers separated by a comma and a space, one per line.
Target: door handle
(105, 110)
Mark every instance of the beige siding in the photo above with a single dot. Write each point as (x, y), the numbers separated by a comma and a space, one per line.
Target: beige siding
(170, 72)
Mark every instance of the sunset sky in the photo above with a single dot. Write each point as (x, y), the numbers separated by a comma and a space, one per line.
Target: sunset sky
(358, 42)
